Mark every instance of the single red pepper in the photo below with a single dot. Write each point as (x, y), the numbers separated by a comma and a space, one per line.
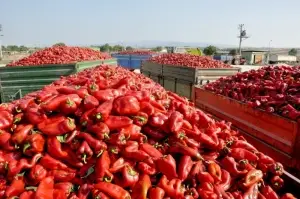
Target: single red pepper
(117, 139)
(59, 127)
(96, 194)
(133, 132)
(126, 105)
(102, 168)
(86, 118)
(230, 165)
(167, 166)
(59, 194)
(54, 103)
(107, 94)
(132, 152)
(156, 193)
(140, 119)
(147, 108)
(84, 152)
(240, 154)
(243, 144)
(103, 110)
(100, 129)
(141, 188)
(6, 119)
(35, 115)
(276, 169)
(93, 87)
(36, 174)
(45, 189)
(185, 166)
(157, 119)
(150, 150)
(5, 143)
(118, 165)
(205, 177)
(72, 159)
(112, 190)
(27, 195)
(61, 175)
(277, 182)
(97, 145)
(16, 187)
(172, 188)
(215, 171)
(90, 102)
(117, 122)
(175, 121)
(50, 163)
(68, 106)
(207, 186)
(288, 196)
(146, 168)
(196, 169)
(269, 193)
(155, 134)
(252, 177)
(128, 177)
(54, 148)
(185, 150)
(18, 118)
(20, 133)
(159, 107)
(264, 159)
(34, 143)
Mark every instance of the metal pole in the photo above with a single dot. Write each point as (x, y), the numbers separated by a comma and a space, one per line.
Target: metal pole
(1, 55)
(269, 51)
(241, 38)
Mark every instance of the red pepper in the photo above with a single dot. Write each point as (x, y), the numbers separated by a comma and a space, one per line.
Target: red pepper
(128, 177)
(118, 165)
(153, 133)
(54, 148)
(86, 117)
(90, 102)
(16, 187)
(6, 119)
(45, 189)
(133, 132)
(150, 150)
(54, 103)
(107, 94)
(172, 188)
(146, 168)
(68, 106)
(147, 108)
(59, 127)
(264, 159)
(18, 118)
(99, 195)
(141, 188)
(61, 175)
(159, 107)
(226, 180)
(97, 145)
(252, 191)
(126, 105)
(100, 129)
(276, 169)
(132, 152)
(240, 154)
(34, 115)
(196, 169)
(112, 190)
(117, 122)
(207, 186)
(102, 168)
(288, 196)
(252, 177)
(59, 194)
(140, 119)
(27, 195)
(185, 166)
(205, 177)
(157, 119)
(277, 182)
(37, 173)
(5, 143)
(156, 193)
(243, 144)
(84, 152)
(175, 121)
(117, 139)
(167, 166)
(269, 193)
(20, 133)
(16, 166)
(33, 144)
(230, 165)
(50, 163)
(103, 110)
(72, 159)
(215, 171)
(184, 150)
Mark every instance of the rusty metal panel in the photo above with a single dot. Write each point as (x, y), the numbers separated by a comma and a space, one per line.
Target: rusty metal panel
(273, 129)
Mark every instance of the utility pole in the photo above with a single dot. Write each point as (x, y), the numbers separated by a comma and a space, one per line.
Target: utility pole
(242, 36)
(1, 55)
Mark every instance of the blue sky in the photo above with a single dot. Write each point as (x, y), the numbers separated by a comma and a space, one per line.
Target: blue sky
(80, 22)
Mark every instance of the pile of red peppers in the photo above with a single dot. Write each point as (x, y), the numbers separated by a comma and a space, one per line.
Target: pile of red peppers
(274, 89)
(60, 55)
(188, 60)
(109, 133)
(137, 52)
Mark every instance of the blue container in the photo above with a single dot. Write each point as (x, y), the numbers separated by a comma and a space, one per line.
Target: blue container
(136, 60)
(123, 60)
(223, 57)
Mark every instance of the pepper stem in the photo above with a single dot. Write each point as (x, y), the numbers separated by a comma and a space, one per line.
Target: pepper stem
(26, 146)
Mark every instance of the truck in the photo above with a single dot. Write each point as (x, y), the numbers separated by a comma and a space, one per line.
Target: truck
(274, 59)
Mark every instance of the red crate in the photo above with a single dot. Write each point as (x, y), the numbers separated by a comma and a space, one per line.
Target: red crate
(271, 133)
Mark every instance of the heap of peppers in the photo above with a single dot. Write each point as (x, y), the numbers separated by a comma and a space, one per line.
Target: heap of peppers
(109, 133)
(275, 89)
(60, 55)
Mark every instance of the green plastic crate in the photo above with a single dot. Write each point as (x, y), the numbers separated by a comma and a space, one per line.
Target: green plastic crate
(15, 82)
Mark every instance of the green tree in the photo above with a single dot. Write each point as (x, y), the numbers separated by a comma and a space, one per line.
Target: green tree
(23, 48)
(293, 52)
(233, 52)
(157, 49)
(60, 44)
(210, 50)
(105, 48)
(128, 48)
(117, 48)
